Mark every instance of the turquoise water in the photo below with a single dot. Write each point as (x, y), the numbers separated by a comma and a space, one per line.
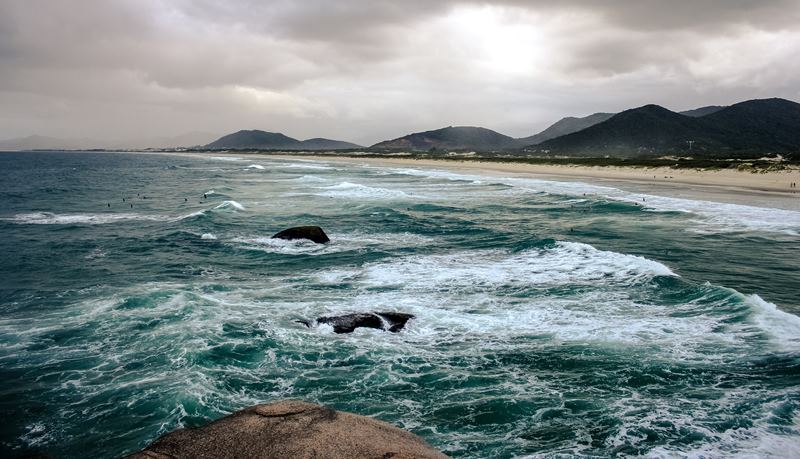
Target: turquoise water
(552, 318)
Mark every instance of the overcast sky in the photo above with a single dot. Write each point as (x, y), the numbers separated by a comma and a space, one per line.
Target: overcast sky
(368, 70)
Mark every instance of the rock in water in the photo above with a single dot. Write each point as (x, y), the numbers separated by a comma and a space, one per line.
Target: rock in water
(395, 320)
(290, 429)
(390, 321)
(312, 233)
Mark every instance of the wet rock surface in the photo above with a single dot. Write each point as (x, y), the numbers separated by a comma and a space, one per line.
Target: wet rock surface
(312, 233)
(347, 323)
(291, 429)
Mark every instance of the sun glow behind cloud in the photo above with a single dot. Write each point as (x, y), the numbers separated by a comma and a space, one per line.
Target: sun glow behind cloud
(501, 41)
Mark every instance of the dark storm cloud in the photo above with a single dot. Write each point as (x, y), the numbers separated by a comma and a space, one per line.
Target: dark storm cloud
(365, 70)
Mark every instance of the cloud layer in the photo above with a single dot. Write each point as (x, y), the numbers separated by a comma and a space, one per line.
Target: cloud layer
(369, 70)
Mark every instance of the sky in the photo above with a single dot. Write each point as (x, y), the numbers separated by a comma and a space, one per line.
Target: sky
(369, 70)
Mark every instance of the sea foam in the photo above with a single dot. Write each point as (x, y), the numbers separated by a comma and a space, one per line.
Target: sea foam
(225, 158)
(714, 217)
(230, 205)
(48, 218)
(565, 262)
(350, 190)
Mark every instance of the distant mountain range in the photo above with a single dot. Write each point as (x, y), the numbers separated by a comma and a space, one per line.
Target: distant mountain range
(38, 142)
(703, 111)
(565, 126)
(451, 138)
(753, 127)
(571, 124)
(255, 139)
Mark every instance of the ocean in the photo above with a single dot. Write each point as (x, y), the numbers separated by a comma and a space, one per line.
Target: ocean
(553, 318)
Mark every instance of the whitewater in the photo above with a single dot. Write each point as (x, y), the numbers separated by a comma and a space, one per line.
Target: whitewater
(143, 293)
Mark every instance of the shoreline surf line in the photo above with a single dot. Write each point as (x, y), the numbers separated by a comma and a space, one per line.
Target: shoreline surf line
(773, 182)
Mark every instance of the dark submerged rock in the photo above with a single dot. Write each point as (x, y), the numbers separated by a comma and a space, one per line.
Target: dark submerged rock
(290, 429)
(349, 322)
(312, 233)
(389, 321)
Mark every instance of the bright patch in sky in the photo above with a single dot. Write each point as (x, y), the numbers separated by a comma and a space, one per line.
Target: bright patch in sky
(498, 41)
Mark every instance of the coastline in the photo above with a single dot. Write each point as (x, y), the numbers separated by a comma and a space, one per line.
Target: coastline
(761, 189)
(767, 189)
(771, 182)
(765, 182)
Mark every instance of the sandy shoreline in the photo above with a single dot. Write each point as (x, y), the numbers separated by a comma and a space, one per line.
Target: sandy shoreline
(769, 189)
(773, 182)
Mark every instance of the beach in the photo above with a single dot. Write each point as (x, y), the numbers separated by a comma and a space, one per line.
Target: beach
(772, 182)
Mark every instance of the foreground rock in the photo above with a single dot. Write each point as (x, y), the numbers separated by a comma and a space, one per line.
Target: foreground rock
(389, 321)
(291, 429)
(312, 233)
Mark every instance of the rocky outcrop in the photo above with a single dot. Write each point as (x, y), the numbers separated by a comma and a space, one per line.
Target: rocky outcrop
(290, 429)
(312, 233)
(389, 321)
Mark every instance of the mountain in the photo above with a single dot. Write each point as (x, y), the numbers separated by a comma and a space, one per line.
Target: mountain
(255, 139)
(319, 143)
(702, 111)
(761, 125)
(572, 124)
(747, 128)
(636, 132)
(451, 138)
(566, 126)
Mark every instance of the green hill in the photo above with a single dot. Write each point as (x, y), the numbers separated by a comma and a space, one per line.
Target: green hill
(451, 138)
(702, 111)
(255, 139)
(748, 128)
(565, 126)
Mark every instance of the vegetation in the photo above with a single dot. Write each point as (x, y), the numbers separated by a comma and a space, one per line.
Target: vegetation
(255, 139)
(754, 127)
(751, 164)
(452, 138)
